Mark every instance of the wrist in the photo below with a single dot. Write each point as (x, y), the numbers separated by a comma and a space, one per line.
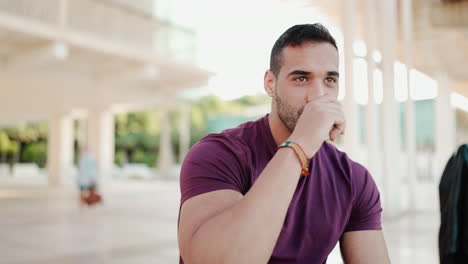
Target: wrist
(300, 154)
(288, 154)
(310, 148)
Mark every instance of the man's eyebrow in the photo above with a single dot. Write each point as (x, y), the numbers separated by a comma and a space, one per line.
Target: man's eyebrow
(299, 72)
(333, 73)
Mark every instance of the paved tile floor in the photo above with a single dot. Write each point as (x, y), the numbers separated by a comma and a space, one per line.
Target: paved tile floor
(137, 224)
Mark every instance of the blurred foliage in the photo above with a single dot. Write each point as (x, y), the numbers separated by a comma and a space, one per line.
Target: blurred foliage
(137, 134)
(137, 137)
(24, 143)
(5, 142)
(248, 101)
(120, 158)
(28, 133)
(35, 152)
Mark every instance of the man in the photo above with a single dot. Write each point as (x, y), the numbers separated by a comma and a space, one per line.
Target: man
(244, 200)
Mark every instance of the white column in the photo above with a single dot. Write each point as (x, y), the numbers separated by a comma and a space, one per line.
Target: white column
(101, 141)
(445, 125)
(410, 122)
(166, 156)
(351, 136)
(390, 131)
(372, 142)
(59, 148)
(184, 131)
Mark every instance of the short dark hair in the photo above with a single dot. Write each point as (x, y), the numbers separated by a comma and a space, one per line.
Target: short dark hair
(295, 36)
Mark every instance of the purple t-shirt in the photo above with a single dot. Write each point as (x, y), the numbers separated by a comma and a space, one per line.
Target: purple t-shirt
(338, 196)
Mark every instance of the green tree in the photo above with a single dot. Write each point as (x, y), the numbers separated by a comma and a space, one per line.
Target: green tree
(35, 152)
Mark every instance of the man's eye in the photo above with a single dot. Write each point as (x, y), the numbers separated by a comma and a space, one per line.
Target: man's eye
(301, 79)
(331, 80)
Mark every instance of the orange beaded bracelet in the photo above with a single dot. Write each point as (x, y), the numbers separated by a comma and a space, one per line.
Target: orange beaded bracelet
(300, 155)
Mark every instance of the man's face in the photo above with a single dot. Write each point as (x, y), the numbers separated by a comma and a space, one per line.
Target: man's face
(307, 71)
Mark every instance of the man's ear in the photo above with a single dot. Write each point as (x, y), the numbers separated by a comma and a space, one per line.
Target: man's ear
(269, 83)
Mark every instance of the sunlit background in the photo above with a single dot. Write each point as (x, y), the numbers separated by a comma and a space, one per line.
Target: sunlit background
(139, 82)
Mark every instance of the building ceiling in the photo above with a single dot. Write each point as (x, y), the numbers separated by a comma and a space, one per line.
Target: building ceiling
(45, 70)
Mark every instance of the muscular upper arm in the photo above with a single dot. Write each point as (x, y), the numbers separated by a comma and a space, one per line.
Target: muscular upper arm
(362, 247)
(199, 209)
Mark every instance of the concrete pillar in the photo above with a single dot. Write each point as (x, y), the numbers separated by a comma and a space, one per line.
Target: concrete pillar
(390, 131)
(351, 137)
(101, 141)
(184, 131)
(372, 142)
(445, 125)
(166, 156)
(410, 122)
(59, 148)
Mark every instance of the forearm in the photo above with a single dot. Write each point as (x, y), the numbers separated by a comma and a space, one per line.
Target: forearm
(247, 232)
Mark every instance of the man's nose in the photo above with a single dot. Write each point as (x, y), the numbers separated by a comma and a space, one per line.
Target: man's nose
(315, 90)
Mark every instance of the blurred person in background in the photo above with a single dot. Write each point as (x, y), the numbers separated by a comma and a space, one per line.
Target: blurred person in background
(87, 178)
(273, 190)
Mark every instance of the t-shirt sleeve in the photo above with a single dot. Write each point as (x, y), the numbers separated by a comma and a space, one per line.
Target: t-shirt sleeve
(212, 164)
(367, 210)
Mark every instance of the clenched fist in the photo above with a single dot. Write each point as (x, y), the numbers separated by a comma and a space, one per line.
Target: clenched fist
(322, 118)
